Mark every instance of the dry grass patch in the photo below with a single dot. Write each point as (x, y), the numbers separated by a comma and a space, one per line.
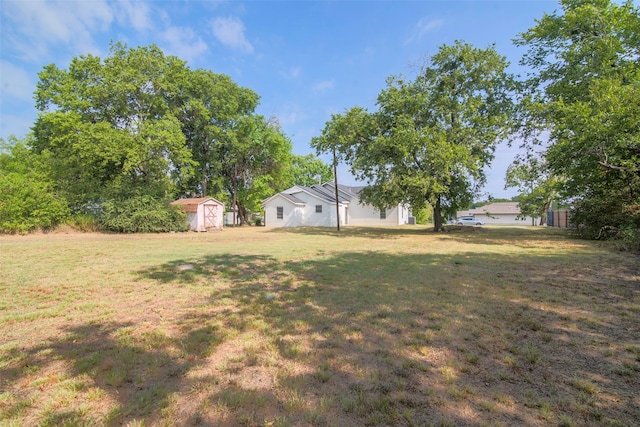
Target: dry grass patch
(395, 326)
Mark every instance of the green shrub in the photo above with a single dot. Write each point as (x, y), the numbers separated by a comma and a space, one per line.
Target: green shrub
(84, 222)
(424, 215)
(28, 203)
(142, 214)
(608, 216)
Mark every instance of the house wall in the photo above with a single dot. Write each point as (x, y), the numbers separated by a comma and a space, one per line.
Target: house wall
(367, 215)
(309, 216)
(299, 216)
(292, 214)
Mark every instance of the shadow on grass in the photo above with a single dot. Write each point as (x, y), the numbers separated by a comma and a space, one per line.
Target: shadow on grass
(355, 231)
(398, 338)
(518, 236)
(368, 338)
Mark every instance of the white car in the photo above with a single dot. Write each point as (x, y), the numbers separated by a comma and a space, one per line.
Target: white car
(468, 220)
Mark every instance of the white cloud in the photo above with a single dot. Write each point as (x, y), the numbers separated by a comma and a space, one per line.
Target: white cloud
(230, 32)
(33, 26)
(295, 72)
(323, 86)
(134, 13)
(15, 82)
(290, 115)
(424, 26)
(291, 73)
(184, 43)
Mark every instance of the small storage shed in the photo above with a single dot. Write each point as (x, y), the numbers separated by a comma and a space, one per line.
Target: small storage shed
(203, 214)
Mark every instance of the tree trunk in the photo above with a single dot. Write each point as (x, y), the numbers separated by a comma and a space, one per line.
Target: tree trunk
(545, 208)
(235, 196)
(204, 187)
(242, 214)
(437, 216)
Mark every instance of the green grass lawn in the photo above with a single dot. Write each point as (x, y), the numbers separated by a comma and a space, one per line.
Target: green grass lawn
(276, 327)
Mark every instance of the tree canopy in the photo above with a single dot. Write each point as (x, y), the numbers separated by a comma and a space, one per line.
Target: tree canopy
(431, 137)
(583, 94)
(110, 126)
(537, 187)
(140, 125)
(308, 170)
(28, 200)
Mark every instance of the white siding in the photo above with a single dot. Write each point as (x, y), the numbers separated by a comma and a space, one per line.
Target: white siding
(309, 215)
(291, 213)
(367, 215)
(303, 213)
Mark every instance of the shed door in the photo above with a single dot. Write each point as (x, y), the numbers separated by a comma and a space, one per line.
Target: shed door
(210, 216)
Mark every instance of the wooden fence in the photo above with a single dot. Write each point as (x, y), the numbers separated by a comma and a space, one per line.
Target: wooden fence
(558, 219)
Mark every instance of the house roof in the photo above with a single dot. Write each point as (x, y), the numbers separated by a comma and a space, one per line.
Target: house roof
(327, 194)
(191, 205)
(352, 190)
(503, 208)
(316, 191)
(292, 198)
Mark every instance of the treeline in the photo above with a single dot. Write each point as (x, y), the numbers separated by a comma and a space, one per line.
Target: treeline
(116, 138)
(575, 115)
(119, 137)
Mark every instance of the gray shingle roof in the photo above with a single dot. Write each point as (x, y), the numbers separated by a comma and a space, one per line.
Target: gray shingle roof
(292, 198)
(322, 193)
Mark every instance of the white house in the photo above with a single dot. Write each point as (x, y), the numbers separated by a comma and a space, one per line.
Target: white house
(315, 206)
(202, 213)
(505, 213)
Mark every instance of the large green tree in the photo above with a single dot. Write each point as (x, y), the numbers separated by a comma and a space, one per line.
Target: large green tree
(209, 107)
(582, 96)
(109, 125)
(308, 170)
(28, 200)
(255, 157)
(536, 185)
(431, 137)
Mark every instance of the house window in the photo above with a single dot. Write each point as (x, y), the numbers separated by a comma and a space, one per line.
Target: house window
(318, 208)
(279, 212)
(383, 214)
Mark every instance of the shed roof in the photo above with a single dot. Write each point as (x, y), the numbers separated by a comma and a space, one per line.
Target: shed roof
(191, 205)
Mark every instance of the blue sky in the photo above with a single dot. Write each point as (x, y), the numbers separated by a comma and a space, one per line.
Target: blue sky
(306, 59)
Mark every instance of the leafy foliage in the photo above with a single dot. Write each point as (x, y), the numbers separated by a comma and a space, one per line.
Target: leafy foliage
(431, 137)
(142, 214)
(584, 93)
(537, 187)
(308, 170)
(110, 125)
(257, 158)
(209, 108)
(27, 199)
(138, 123)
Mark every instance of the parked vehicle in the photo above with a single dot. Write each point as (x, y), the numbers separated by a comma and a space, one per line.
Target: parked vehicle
(468, 220)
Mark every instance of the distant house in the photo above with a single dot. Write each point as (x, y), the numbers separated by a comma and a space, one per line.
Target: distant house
(506, 213)
(315, 206)
(203, 214)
